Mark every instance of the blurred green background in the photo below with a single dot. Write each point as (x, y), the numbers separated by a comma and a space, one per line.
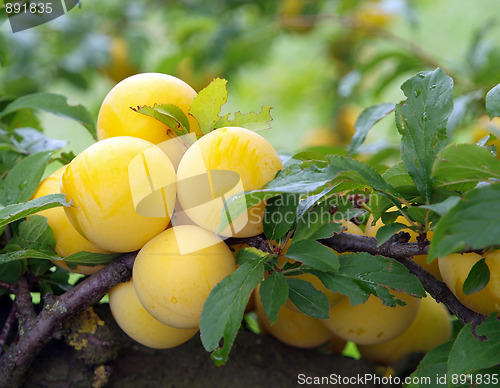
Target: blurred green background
(317, 63)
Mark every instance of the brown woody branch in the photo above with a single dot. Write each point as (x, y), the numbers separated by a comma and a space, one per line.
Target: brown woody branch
(56, 311)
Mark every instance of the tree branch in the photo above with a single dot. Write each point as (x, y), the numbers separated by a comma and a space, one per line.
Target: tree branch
(25, 311)
(7, 326)
(403, 253)
(56, 311)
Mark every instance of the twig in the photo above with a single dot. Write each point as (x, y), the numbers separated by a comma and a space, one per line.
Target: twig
(258, 242)
(25, 311)
(7, 326)
(7, 286)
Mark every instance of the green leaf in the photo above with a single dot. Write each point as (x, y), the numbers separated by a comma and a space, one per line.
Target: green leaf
(79, 258)
(367, 119)
(398, 177)
(493, 102)
(432, 367)
(56, 104)
(253, 121)
(33, 141)
(421, 121)
(292, 180)
(459, 163)
(10, 271)
(17, 211)
(464, 226)
(308, 299)
(361, 274)
(387, 231)
(313, 254)
(379, 204)
(443, 207)
(367, 175)
(223, 310)
(169, 114)
(478, 278)
(316, 231)
(39, 267)
(22, 181)
(207, 104)
(305, 204)
(90, 258)
(273, 294)
(461, 106)
(248, 255)
(318, 223)
(26, 254)
(36, 230)
(279, 215)
(486, 353)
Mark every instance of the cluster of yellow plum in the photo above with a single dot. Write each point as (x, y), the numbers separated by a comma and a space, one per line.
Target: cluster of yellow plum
(141, 188)
(382, 334)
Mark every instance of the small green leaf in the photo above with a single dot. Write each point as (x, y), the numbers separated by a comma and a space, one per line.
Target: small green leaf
(324, 231)
(361, 274)
(379, 204)
(170, 115)
(493, 102)
(313, 254)
(253, 121)
(387, 231)
(367, 175)
(90, 258)
(33, 141)
(318, 223)
(464, 226)
(305, 204)
(308, 299)
(207, 105)
(367, 119)
(486, 353)
(223, 310)
(398, 177)
(422, 121)
(10, 271)
(444, 207)
(36, 230)
(279, 215)
(478, 278)
(26, 254)
(56, 104)
(17, 211)
(273, 294)
(459, 163)
(248, 255)
(461, 106)
(22, 181)
(432, 367)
